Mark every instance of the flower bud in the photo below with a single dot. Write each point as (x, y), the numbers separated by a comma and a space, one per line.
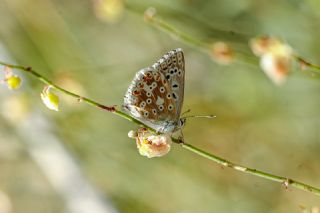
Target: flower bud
(262, 45)
(50, 99)
(151, 145)
(149, 14)
(276, 67)
(222, 53)
(13, 82)
(275, 57)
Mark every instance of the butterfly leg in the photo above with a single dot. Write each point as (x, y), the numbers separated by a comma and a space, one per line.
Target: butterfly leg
(181, 137)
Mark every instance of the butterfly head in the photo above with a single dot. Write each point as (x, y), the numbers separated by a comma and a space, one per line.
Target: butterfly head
(173, 126)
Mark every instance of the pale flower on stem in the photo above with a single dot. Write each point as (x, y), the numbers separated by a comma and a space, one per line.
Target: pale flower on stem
(50, 99)
(275, 57)
(262, 44)
(12, 81)
(150, 144)
(222, 53)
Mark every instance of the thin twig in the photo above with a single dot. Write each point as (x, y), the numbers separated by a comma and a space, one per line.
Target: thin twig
(306, 63)
(207, 47)
(283, 180)
(223, 162)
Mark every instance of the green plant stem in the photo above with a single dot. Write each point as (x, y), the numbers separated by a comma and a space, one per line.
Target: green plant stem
(223, 162)
(306, 63)
(167, 28)
(207, 47)
(284, 180)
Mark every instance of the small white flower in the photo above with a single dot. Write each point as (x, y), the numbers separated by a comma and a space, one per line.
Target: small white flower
(262, 44)
(275, 57)
(151, 145)
(276, 67)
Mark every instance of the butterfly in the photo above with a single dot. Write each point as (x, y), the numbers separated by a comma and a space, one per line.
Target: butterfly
(155, 96)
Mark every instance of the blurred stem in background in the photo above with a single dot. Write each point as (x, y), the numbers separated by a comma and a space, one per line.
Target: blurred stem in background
(221, 161)
(241, 55)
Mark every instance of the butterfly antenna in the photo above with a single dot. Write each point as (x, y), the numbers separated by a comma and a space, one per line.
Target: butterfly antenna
(200, 116)
(186, 112)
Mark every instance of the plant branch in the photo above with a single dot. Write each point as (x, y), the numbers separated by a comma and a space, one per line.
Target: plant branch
(284, 180)
(189, 40)
(306, 63)
(221, 161)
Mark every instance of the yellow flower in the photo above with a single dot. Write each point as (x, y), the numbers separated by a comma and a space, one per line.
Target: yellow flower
(50, 99)
(151, 145)
(13, 82)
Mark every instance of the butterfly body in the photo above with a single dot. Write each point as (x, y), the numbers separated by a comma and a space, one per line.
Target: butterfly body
(155, 96)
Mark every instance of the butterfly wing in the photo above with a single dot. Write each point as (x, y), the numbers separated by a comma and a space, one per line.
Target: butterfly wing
(155, 96)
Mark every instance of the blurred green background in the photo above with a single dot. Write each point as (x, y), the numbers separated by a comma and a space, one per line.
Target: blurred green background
(96, 51)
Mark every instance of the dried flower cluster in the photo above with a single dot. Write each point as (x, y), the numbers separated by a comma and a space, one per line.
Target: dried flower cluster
(150, 144)
(275, 57)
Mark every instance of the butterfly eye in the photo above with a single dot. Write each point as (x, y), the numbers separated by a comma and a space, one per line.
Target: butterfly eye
(164, 66)
(154, 85)
(162, 90)
(156, 76)
(148, 75)
(148, 94)
(146, 114)
(174, 95)
(154, 111)
(171, 71)
(169, 61)
(169, 96)
(168, 77)
(174, 59)
(161, 107)
(142, 104)
(170, 107)
(136, 92)
(175, 70)
(149, 101)
(175, 86)
(140, 85)
(179, 73)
